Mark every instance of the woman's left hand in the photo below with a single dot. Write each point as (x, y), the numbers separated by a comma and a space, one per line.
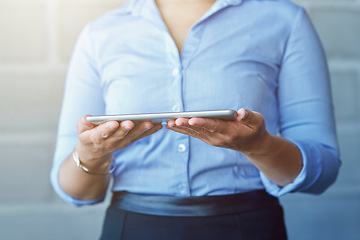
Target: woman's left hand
(245, 134)
(279, 159)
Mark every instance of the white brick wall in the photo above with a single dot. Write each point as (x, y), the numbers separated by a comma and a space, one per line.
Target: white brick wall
(36, 40)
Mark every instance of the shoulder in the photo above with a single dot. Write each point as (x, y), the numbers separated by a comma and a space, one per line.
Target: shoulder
(281, 8)
(111, 18)
(282, 14)
(283, 4)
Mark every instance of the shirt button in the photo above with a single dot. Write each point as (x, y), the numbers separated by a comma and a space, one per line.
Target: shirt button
(175, 72)
(182, 189)
(181, 148)
(175, 108)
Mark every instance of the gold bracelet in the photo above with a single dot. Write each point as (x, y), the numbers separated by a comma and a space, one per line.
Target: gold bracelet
(78, 163)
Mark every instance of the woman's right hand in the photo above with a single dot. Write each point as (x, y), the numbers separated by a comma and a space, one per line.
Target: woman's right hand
(95, 150)
(97, 143)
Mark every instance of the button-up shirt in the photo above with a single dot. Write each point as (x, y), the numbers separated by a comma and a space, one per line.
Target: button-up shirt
(261, 55)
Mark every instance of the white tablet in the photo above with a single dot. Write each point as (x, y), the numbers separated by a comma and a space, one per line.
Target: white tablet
(163, 117)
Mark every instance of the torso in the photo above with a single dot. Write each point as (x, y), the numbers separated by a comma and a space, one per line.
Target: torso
(180, 16)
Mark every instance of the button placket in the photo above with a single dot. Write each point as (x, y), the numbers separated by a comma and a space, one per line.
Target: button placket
(175, 108)
(181, 148)
(176, 72)
(182, 189)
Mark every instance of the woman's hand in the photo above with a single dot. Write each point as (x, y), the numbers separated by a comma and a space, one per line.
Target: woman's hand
(95, 148)
(245, 135)
(279, 159)
(99, 142)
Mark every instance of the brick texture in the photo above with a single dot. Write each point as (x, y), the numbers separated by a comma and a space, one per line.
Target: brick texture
(37, 38)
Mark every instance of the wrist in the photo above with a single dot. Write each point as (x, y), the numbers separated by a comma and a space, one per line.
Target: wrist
(260, 147)
(110, 167)
(94, 162)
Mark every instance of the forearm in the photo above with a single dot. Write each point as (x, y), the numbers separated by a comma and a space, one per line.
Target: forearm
(279, 159)
(81, 185)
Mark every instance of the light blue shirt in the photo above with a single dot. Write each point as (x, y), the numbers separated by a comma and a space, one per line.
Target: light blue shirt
(261, 55)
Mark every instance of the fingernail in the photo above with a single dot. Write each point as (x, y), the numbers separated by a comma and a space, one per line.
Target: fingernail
(178, 122)
(125, 126)
(110, 125)
(148, 125)
(246, 114)
(191, 122)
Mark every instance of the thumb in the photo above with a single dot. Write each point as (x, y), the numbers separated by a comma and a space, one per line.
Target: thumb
(249, 118)
(243, 115)
(84, 125)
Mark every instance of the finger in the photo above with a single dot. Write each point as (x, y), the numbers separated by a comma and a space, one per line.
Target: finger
(209, 124)
(182, 121)
(243, 114)
(127, 125)
(196, 124)
(196, 132)
(182, 129)
(124, 128)
(177, 122)
(99, 134)
(249, 118)
(105, 130)
(156, 127)
(171, 123)
(84, 125)
(138, 130)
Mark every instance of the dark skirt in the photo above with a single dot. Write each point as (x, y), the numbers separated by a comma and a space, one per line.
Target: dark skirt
(254, 215)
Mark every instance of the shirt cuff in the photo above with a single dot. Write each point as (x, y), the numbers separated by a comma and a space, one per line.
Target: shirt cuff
(309, 173)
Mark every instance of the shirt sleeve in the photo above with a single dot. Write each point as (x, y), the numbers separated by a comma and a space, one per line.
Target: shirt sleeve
(82, 95)
(306, 111)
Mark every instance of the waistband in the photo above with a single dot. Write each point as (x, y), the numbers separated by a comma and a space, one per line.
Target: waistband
(193, 206)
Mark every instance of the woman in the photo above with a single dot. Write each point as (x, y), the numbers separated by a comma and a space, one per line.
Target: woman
(197, 178)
